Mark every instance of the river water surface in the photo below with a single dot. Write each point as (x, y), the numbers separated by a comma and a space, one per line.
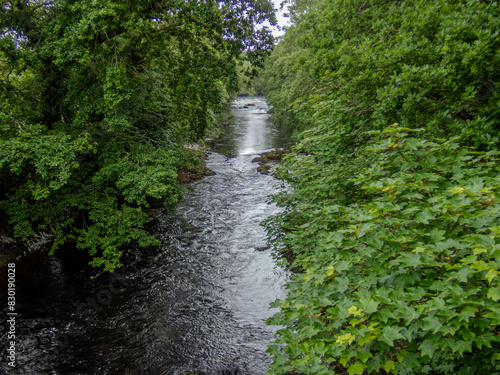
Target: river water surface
(196, 305)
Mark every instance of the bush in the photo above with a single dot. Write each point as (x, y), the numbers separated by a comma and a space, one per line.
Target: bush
(396, 229)
(403, 277)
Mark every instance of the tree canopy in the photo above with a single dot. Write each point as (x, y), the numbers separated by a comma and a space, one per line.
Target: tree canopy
(97, 98)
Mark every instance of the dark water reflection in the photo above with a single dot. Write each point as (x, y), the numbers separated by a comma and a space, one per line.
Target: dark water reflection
(196, 305)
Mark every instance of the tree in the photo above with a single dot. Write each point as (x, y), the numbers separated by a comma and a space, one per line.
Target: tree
(97, 98)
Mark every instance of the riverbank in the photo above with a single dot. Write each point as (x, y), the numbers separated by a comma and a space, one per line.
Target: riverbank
(38, 246)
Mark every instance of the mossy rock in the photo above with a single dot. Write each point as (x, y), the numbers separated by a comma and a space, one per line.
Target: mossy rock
(187, 175)
(266, 157)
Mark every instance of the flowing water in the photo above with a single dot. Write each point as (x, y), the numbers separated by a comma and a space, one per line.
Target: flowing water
(196, 305)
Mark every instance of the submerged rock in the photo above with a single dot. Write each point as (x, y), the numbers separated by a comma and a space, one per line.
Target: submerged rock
(262, 248)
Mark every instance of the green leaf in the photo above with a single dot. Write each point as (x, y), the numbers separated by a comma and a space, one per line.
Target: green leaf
(364, 355)
(390, 334)
(461, 346)
(463, 274)
(435, 303)
(424, 217)
(457, 190)
(491, 275)
(427, 348)
(437, 235)
(369, 306)
(329, 271)
(494, 293)
(357, 368)
(389, 365)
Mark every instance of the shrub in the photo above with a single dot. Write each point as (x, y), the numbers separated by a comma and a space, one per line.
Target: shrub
(403, 278)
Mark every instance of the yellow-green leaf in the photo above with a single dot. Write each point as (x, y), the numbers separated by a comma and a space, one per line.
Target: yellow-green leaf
(357, 368)
(457, 190)
(479, 251)
(389, 365)
(329, 271)
(491, 275)
(353, 310)
(348, 337)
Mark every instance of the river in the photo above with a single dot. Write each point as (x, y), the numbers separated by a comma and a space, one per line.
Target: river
(195, 305)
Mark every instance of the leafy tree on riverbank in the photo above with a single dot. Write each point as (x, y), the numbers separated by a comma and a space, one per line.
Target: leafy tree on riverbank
(96, 100)
(394, 217)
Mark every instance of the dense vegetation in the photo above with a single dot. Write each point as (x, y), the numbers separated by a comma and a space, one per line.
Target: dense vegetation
(97, 98)
(395, 215)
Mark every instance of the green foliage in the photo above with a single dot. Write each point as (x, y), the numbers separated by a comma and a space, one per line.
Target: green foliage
(359, 65)
(250, 81)
(401, 275)
(97, 100)
(396, 230)
(287, 81)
